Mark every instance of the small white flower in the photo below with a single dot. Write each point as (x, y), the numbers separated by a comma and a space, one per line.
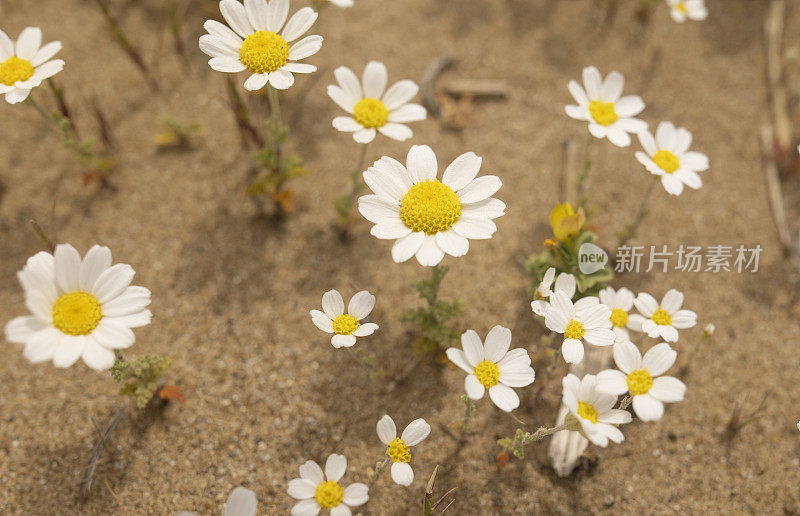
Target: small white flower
(345, 326)
(317, 491)
(594, 410)
(642, 378)
(342, 3)
(374, 108)
(254, 42)
(241, 502)
(398, 448)
(680, 10)
(584, 320)
(24, 65)
(564, 282)
(662, 320)
(620, 302)
(601, 104)
(429, 217)
(80, 308)
(493, 367)
(668, 156)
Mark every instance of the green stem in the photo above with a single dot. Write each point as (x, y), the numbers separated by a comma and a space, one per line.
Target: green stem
(632, 228)
(626, 402)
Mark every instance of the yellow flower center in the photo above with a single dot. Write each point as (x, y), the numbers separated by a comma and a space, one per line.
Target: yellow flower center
(681, 6)
(603, 112)
(619, 317)
(574, 330)
(329, 494)
(587, 411)
(430, 206)
(661, 317)
(264, 52)
(345, 324)
(639, 382)
(398, 451)
(667, 161)
(15, 69)
(488, 373)
(77, 313)
(371, 113)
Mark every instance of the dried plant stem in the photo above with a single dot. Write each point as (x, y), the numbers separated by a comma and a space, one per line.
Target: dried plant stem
(626, 402)
(247, 131)
(97, 451)
(48, 242)
(127, 46)
(345, 204)
(277, 137)
(631, 229)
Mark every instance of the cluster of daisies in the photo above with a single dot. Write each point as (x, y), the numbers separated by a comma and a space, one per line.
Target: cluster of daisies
(607, 320)
(612, 115)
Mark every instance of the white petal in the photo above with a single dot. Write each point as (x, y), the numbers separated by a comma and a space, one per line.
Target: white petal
(390, 230)
(416, 432)
(648, 408)
(110, 334)
(299, 23)
(346, 124)
(399, 93)
(578, 93)
(517, 378)
(480, 189)
(627, 357)
(277, 11)
(667, 389)
(306, 508)
(236, 16)
(17, 95)
(365, 330)
(452, 243)
(473, 347)
(69, 349)
(365, 136)
(387, 431)
(612, 381)
(474, 228)
(28, 43)
(395, 131)
(349, 83)
(96, 356)
(281, 79)
(421, 163)
(45, 53)
(672, 301)
(256, 81)
(572, 351)
(343, 341)
(112, 282)
(429, 253)
(462, 171)
(306, 47)
(311, 471)
(131, 300)
(407, 246)
(473, 387)
(497, 342)
(408, 113)
(593, 82)
(6, 46)
(336, 464)
(67, 268)
(356, 494)
(226, 64)
(321, 321)
(361, 304)
(299, 67)
(402, 473)
(600, 337)
(241, 502)
(458, 357)
(42, 345)
(612, 86)
(257, 13)
(376, 209)
(301, 489)
(21, 329)
(332, 304)
(659, 359)
(646, 304)
(504, 397)
(374, 79)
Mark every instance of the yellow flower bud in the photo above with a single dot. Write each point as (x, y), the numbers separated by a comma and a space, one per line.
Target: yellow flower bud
(566, 223)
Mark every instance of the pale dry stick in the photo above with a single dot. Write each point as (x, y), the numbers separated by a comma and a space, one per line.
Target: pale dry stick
(97, 452)
(791, 247)
(566, 448)
(773, 29)
(478, 88)
(428, 89)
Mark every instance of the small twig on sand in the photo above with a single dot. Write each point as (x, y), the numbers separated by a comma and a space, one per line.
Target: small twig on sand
(126, 45)
(781, 119)
(97, 452)
(432, 73)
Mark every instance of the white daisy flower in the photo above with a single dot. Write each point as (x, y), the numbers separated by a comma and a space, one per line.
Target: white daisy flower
(642, 378)
(564, 282)
(429, 217)
(594, 410)
(601, 104)
(662, 320)
(81, 308)
(345, 326)
(317, 491)
(620, 302)
(398, 448)
(668, 156)
(680, 10)
(584, 320)
(342, 3)
(257, 43)
(24, 65)
(374, 108)
(493, 367)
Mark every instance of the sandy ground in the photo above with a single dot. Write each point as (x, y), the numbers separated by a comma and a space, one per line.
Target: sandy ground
(265, 391)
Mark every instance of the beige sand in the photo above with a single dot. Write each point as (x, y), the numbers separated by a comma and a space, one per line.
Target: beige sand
(265, 391)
